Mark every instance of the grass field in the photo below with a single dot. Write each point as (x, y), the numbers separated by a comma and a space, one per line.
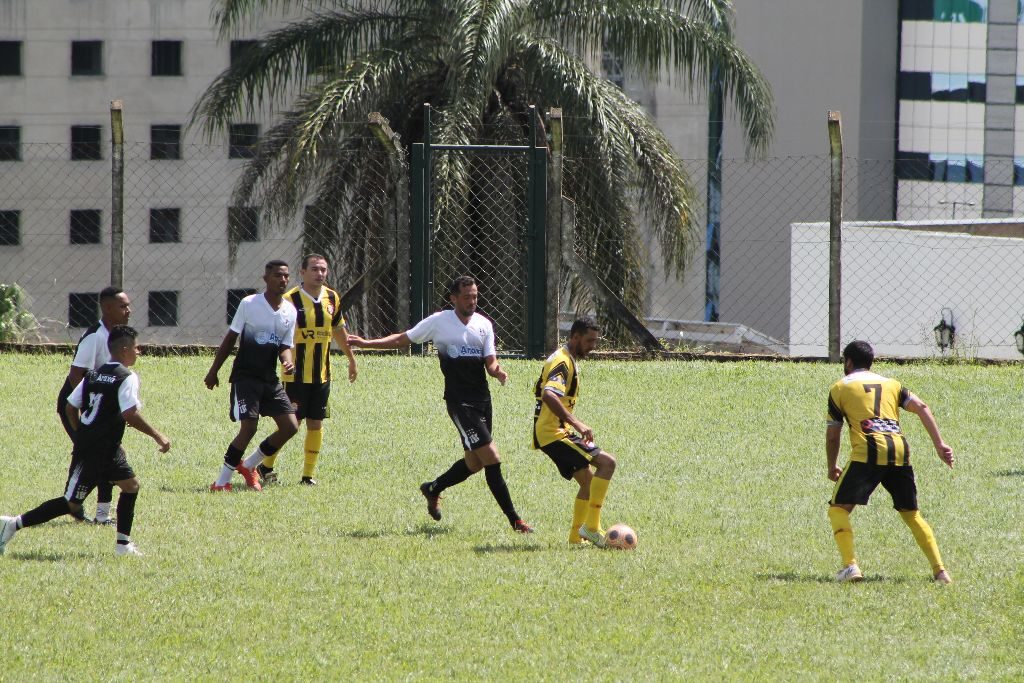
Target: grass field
(721, 471)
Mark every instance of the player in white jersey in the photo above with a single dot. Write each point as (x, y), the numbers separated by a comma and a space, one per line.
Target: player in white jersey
(464, 340)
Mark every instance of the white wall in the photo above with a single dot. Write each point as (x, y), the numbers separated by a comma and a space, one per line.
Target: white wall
(896, 278)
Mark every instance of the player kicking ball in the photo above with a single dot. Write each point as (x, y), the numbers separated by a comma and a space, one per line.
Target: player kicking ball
(98, 409)
(556, 392)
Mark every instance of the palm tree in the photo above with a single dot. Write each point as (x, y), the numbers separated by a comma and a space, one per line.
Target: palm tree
(480, 64)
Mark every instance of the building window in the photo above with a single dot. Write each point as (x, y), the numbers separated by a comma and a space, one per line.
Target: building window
(942, 87)
(243, 138)
(165, 142)
(10, 143)
(240, 49)
(235, 297)
(10, 228)
(166, 59)
(1018, 171)
(85, 226)
(83, 308)
(85, 143)
(10, 57)
(945, 168)
(243, 224)
(163, 309)
(961, 11)
(87, 58)
(164, 225)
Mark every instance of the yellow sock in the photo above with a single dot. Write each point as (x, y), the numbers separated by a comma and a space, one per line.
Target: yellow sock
(598, 490)
(843, 531)
(269, 461)
(924, 537)
(314, 439)
(579, 515)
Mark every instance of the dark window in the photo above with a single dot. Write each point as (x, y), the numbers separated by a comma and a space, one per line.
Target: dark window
(10, 57)
(946, 168)
(915, 85)
(243, 138)
(86, 57)
(243, 224)
(166, 58)
(85, 143)
(1018, 171)
(10, 231)
(917, 10)
(912, 166)
(235, 297)
(240, 49)
(1020, 90)
(164, 225)
(165, 142)
(85, 226)
(10, 143)
(83, 308)
(163, 309)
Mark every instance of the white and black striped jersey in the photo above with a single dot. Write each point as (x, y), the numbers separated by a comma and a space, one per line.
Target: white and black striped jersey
(262, 334)
(461, 348)
(102, 396)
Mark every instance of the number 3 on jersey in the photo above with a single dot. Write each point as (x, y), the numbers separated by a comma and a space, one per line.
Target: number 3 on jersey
(94, 407)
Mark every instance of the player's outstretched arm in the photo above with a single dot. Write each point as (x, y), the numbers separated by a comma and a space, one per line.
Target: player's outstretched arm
(552, 401)
(223, 351)
(399, 340)
(134, 418)
(921, 409)
(833, 437)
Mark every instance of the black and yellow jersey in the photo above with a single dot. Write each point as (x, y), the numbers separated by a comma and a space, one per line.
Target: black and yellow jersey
(871, 404)
(315, 324)
(560, 377)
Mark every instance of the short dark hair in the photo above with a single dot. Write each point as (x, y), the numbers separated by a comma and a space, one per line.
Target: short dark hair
(119, 335)
(276, 263)
(460, 282)
(108, 293)
(309, 257)
(584, 324)
(861, 353)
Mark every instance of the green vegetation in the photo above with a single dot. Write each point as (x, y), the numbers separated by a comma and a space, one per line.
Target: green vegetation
(721, 472)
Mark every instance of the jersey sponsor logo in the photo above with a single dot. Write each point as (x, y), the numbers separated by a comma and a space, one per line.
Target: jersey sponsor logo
(880, 425)
(264, 337)
(315, 334)
(459, 350)
(105, 379)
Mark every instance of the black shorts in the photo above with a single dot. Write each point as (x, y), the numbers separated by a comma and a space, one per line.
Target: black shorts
(859, 480)
(309, 400)
(252, 397)
(87, 472)
(473, 420)
(571, 454)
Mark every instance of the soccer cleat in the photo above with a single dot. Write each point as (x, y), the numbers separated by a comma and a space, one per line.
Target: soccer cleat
(850, 574)
(81, 516)
(109, 521)
(943, 577)
(129, 548)
(521, 527)
(307, 481)
(433, 502)
(595, 537)
(215, 488)
(267, 474)
(7, 529)
(251, 480)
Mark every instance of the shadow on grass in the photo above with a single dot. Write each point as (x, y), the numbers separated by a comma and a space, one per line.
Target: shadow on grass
(507, 548)
(1010, 473)
(164, 488)
(428, 529)
(794, 577)
(38, 556)
(368, 533)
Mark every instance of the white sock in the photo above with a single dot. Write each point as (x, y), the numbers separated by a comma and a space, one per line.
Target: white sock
(102, 512)
(11, 529)
(226, 471)
(254, 459)
(124, 537)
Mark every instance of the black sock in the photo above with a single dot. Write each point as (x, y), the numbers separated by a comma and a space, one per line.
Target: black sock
(126, 512)
(232, 457)
(456, 474)
(51, 509)
(499, 490)
(268, 448)
(104, 492)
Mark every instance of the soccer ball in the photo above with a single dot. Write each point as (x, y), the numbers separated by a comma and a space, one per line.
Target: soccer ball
(620, 537)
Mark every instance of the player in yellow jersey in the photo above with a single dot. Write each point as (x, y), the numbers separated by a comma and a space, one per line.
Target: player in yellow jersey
(880, 454)
(309, 387)
(557, 391)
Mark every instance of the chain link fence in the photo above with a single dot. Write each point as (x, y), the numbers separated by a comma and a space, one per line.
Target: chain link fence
(191, 254)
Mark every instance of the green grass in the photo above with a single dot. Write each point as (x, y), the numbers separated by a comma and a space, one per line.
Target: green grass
(721, 471)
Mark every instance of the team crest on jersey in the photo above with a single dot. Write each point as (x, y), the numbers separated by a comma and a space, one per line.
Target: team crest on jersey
(329, 307)
(557, 378)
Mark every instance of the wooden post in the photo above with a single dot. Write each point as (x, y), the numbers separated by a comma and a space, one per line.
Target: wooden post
(116, 194)
(554, 230)
(835, 233)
